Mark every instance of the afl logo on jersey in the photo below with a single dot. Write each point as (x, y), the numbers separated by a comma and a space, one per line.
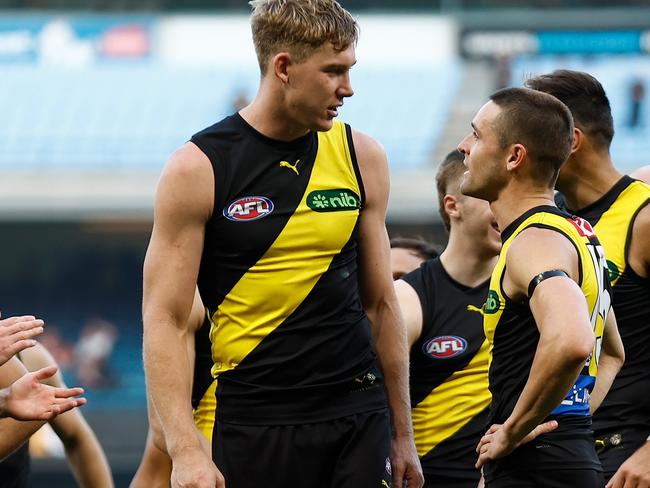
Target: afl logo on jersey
(248, 208)
(444, 347)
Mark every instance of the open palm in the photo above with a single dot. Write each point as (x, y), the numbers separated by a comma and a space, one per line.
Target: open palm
(29, 399)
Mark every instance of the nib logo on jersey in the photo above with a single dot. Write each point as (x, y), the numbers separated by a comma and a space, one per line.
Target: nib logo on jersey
(333, 200)
(246, 209)
(444, 347)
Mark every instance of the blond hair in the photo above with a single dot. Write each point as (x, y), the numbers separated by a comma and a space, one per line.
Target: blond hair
(299, 27)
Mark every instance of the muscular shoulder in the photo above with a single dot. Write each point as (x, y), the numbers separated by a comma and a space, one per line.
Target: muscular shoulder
(373, 166)
(187, 181)
(536, 250)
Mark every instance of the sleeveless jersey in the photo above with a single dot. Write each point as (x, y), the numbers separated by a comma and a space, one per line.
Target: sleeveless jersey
(448, 376)
(612, 216)
(511, 329)
(290, 339)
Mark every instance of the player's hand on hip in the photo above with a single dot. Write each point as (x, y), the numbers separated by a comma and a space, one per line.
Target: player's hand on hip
(634, 472)
(497, 442)
(405, 463)
(16, 334)
(193, 468)
(29, 399)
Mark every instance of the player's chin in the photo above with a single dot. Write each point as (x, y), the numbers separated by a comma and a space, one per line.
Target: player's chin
(323, 125)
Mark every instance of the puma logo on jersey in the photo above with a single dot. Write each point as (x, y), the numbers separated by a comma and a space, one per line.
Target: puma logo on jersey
(472, 308)
(385, 483)
(292, 167)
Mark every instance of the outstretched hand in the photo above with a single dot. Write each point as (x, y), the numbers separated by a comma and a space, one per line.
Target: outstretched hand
(28, 399)
(496, 442)
(16, 334)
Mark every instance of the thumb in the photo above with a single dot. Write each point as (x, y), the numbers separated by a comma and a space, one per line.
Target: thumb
(45, 373)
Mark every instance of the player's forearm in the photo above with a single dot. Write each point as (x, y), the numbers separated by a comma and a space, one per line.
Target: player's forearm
(14, 433)
(555, 368)
(167, 370)
(608, 368)
(88, 463)
(392, 351)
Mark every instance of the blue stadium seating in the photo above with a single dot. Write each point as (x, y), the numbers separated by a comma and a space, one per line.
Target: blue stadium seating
(631, 146)
(121, 117)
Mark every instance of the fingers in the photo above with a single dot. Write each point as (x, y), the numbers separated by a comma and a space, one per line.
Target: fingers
(67, 392)
(19, 346)
(221, 481)
(68, 404)
(45, 373)
(14, 320)
(539, 430)
(398, 469)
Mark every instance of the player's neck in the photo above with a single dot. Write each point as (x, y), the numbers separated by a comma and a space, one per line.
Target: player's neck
(517, 199)
(464, 262)
(586, 179)
(268, 117)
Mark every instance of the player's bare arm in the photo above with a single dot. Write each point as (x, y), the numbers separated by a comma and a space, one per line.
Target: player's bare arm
(566, 339)
(378, 296)
(411, 310)
(155, 467)
(183, 205)
(612, 357)
(85, 455)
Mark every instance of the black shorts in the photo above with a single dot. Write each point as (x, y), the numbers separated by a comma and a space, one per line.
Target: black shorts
(349, 452)
(576, 478)
(615, 447)
(440, 481)
(557, 459)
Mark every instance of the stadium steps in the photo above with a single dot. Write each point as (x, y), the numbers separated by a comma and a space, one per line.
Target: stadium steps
(476, 85)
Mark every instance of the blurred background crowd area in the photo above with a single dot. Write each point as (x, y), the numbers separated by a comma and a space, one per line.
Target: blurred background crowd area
(95, 95)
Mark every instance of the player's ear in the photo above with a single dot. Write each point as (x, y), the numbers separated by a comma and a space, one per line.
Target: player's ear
(516, 157)
(578, 139)
(450, 206)
(280, 65)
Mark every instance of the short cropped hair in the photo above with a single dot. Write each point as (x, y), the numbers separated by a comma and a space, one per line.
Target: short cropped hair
(417, 245)
(541, 123)
(448, 179)
(299, 27)
(585, 97)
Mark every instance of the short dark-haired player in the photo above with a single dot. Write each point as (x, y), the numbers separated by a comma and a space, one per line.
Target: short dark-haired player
(617, 208)
(441, 304)
(546, 314)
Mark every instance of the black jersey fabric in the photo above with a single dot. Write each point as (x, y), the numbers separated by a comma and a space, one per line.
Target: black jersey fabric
(15, 469)
(448, 376)
(290, 340)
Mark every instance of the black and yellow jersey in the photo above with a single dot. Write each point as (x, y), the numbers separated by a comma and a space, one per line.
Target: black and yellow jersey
(511, 330)
(448, 376)
(278, 276)
(612, 216)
